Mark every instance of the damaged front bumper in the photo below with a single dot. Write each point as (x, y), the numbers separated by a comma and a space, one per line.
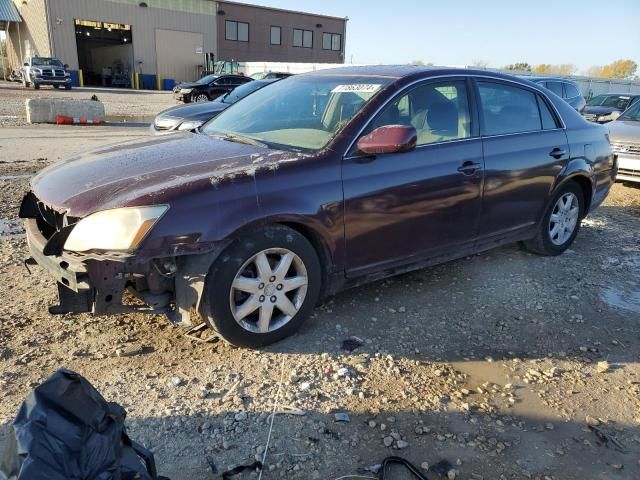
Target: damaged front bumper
(114, 283)
(98, 286)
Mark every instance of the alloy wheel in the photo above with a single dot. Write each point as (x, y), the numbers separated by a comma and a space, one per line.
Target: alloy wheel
(268, 290)
(201, 98)
(564, 218)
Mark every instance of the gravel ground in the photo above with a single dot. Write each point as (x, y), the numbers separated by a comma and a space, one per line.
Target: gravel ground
(495, 363)
(119, 105)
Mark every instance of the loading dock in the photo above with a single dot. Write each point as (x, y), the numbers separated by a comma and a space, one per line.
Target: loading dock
(105, 53)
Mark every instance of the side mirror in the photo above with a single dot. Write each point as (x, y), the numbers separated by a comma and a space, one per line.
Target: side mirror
(389, 139)
(26, 64)
(66, 65)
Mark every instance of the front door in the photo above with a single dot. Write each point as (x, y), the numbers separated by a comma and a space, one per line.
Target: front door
(403, 207)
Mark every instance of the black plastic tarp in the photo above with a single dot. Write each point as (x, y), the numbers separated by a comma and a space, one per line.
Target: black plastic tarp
(66, 430)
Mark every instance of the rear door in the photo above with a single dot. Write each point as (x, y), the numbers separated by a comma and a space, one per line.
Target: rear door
(403, 207)
(525, 148)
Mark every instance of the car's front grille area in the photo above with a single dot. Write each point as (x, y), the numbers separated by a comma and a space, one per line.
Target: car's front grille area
(53, 73)
(626, 148)
(49, 220)
(627, 172)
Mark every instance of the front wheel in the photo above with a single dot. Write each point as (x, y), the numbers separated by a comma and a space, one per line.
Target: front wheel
(200, 98)
(561, 222)
(262, 287)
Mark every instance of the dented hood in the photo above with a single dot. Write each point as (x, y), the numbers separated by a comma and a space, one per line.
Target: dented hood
(146, 172)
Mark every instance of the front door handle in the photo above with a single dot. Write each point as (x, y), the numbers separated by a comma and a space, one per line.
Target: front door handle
(469, 167)
(557, 152)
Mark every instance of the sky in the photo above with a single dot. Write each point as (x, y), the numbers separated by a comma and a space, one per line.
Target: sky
(500, 32)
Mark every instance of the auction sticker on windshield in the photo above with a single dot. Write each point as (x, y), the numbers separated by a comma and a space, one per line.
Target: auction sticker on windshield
(357, 88)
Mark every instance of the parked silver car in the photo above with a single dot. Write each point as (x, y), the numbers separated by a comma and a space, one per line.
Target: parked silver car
(624, 133)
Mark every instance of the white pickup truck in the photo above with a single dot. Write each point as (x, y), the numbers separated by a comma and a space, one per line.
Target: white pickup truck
(38, 71)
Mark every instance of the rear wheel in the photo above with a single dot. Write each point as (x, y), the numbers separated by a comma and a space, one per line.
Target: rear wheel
(56, 86)
(262, 287)
(561, 222)
(36, 86)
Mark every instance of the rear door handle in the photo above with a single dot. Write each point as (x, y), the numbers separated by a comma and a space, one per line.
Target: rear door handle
(469, 167)
(557, 152)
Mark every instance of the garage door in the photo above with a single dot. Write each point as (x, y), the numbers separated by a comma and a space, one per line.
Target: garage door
(179, 54)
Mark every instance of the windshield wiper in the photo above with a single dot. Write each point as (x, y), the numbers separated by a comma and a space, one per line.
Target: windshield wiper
(241, 139)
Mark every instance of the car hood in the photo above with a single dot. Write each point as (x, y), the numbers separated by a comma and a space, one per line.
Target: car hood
(598, 110)
(626, 131)
(190, 85)
(195, 111)
(148, 171)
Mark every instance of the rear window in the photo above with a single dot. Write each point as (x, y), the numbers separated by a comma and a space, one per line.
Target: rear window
(555, 87)
(508, 109)
(571, 91)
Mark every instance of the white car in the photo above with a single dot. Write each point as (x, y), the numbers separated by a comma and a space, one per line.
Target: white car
(624, 133)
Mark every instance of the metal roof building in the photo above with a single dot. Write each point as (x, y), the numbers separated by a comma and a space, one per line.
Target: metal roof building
(109, 40)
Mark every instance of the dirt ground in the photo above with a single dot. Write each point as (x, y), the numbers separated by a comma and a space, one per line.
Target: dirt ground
(494, 363)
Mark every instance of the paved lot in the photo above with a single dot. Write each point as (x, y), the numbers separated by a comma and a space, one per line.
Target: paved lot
(490, 362)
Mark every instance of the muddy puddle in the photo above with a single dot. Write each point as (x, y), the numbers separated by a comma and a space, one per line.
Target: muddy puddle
(624, 300)
(8, 178)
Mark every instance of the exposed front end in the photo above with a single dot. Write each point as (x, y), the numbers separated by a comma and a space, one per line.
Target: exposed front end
(628, 160)
(94, 281)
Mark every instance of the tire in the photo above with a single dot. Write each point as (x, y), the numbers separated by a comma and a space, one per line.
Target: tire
(262, 289)
(56, 86)
(36, 86)
(68, 87)
(556, 234)
(199, 98)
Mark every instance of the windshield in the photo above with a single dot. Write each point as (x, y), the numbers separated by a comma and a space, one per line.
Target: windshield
(207, 80)
(46, 61)
(632, 114)
(259, 75)
(242, 91)
(616, 101)
(301, 113)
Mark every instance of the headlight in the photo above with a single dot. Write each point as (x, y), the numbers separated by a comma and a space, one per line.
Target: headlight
(117, 229)
(190, 125)
(36, 73)
(186, 90)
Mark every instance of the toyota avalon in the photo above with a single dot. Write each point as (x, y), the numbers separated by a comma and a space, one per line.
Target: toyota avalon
(327, 180)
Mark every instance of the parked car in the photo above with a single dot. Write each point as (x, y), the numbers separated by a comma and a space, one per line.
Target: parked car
(208, 87)
(38, 71)
(323, 181)
(270, 75)
(607, 107)
(624, 133)
(190, 117)
(564, 88)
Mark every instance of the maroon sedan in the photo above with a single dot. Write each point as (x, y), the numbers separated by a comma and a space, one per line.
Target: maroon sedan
(320, 182)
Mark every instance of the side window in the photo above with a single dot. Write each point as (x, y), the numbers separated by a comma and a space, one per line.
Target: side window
(571, 91)
(507, 109)
(548, 119)
(555, 87)
(438, 111)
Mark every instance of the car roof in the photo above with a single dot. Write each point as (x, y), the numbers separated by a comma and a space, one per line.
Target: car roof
(404, 71)
(619, 94)
(553, 79)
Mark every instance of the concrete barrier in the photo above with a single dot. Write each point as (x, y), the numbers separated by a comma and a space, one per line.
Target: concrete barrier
(46, 110)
